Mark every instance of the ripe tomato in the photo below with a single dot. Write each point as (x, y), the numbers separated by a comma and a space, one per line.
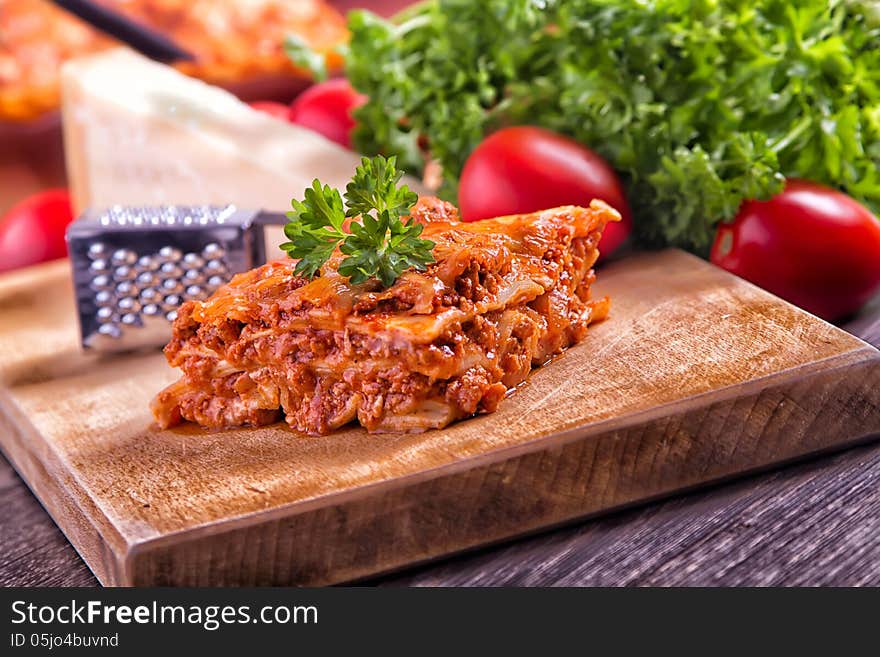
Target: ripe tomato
(270, 107)
(811, 245)
(33, 230)
(326, 108)
(526, 169)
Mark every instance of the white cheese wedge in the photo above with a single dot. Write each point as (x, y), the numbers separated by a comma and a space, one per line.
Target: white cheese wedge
(140, 133)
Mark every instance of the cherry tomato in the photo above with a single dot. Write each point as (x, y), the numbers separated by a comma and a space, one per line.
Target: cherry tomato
(811, 245)
(33, 230)
(327, 109)
(526, 169)
(270, 107)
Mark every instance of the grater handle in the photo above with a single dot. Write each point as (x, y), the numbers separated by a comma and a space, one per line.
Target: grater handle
(265, 218)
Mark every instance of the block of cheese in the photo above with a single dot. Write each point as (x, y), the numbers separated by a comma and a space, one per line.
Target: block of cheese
(140, 133)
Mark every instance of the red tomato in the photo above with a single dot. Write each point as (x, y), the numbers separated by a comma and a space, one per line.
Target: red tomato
(526, 169)
(33, 230)
(270, 107)
(811, 245)
(326, 108)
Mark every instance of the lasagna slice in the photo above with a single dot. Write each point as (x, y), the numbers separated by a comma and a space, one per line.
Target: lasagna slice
(504, 295)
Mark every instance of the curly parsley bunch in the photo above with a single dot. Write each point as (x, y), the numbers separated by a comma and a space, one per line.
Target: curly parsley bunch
(698, 104)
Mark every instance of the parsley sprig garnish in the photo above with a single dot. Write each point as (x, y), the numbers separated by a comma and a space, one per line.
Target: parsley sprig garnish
(380, 245)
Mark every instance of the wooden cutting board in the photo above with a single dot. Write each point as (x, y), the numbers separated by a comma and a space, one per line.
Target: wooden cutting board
(697, 376)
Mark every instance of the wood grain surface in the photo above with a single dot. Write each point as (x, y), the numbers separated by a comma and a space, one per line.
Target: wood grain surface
(789, 385)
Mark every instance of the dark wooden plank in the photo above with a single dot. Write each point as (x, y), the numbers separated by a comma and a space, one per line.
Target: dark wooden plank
(33, 551)
(813, 523)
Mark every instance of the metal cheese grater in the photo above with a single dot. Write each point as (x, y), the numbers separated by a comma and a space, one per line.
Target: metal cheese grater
(134, 266)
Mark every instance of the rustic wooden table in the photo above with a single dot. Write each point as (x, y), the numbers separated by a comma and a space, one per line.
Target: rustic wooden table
(814, 523)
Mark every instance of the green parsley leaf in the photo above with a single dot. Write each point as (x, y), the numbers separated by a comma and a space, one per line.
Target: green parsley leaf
(315, 228)
(384, 246)
(380, 245)
(304, 56)
(374, 187)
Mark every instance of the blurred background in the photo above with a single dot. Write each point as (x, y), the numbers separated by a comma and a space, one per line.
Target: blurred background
(237, 44)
